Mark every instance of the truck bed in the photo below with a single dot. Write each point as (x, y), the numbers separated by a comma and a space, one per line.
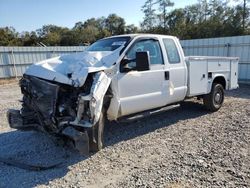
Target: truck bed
(203, 69)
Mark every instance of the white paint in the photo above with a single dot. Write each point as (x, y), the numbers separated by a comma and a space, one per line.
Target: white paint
(73, 69)
(226, 67)
(99, 88)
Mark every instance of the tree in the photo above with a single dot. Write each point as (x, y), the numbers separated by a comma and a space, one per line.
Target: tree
(203, 10)
(245, 14)
(149, 15)
(103, 30)
(9, 37)
(115, 24)
(176, 21)
(163, 4)
(51, 35)
(131, 29)
(69, 38)
(78, 26)
(29, 38)
(233, 22)
(206, 18)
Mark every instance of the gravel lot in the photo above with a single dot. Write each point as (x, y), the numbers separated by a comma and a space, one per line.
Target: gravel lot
(184, 147)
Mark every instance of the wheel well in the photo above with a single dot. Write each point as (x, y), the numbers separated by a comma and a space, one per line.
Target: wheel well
(220, 80)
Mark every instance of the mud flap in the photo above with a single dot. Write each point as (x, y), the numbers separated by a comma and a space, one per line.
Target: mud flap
(80, 139)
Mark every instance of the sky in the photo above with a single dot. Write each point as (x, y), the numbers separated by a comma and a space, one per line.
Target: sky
(29, 15)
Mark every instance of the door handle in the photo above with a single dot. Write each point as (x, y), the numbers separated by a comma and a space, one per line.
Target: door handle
(166, 75)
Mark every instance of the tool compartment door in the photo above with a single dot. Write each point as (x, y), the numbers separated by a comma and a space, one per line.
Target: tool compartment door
(233, 84)
(197, 77)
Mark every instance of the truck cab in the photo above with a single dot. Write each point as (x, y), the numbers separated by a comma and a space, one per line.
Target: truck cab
(162, 81)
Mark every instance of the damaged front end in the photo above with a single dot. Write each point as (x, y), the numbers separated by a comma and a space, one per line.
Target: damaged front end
(61, 109)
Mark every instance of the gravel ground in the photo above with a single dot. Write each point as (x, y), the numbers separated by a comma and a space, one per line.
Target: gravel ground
(184, 147)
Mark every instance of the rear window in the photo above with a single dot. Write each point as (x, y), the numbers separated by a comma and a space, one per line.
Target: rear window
(172, 52)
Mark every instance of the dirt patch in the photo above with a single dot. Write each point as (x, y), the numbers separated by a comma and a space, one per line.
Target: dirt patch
(5, 81)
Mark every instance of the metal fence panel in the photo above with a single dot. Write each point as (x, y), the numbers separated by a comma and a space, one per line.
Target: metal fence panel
(225, 46)
(15, 60)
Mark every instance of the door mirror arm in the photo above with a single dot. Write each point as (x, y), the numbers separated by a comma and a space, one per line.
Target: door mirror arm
(123, 67)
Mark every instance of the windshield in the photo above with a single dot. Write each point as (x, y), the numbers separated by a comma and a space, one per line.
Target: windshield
(109, 44)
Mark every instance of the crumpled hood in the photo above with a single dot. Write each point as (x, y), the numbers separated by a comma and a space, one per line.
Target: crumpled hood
(73, 69)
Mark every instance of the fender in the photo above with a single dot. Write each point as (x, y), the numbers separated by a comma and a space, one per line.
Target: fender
(95, 99)
(216, 75)
(99, 88)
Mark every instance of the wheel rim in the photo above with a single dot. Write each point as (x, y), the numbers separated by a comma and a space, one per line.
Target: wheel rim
(218, 97)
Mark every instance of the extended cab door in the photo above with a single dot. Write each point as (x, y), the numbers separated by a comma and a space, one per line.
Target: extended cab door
(143, 90)
(177, 69)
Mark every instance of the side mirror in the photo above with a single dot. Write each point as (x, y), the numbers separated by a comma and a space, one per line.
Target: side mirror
(142, 61)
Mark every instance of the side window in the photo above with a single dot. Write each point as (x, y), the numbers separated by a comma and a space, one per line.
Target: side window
(151, 46)
(172, 52)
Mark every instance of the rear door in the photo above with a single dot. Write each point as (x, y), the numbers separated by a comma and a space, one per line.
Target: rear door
(177, 69)
(144, 90)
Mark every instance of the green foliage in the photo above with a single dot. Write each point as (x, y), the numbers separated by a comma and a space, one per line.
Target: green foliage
(9, 37)
(163, 4)
(131, 29)
(205, 19)
(150, 15)
(82, 33)
(115, 24)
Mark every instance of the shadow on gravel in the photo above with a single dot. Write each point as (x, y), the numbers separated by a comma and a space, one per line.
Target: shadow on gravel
(116, 132)
(37, 149)
(242, 92)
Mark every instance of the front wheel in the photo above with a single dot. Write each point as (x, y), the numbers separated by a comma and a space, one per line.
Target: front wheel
(214, 100)
(96, 139)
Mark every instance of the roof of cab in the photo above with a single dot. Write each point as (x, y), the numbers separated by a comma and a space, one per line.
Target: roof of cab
(141, 34)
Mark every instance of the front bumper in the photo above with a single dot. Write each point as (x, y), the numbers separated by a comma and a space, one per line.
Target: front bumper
(80, 139)
(15, 121)
(40, 111)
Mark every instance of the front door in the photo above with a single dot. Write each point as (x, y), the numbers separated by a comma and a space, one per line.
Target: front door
(143, 90)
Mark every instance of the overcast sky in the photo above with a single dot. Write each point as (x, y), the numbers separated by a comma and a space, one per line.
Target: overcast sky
(28, 15)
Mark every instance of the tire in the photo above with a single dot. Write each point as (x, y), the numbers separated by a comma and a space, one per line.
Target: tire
(214, 100)
(96, 139)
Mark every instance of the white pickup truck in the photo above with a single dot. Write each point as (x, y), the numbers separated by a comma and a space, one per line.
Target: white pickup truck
(115, 78)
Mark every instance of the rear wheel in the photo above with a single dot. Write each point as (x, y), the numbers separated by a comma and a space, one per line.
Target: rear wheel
(214, 100)
(96, 139)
